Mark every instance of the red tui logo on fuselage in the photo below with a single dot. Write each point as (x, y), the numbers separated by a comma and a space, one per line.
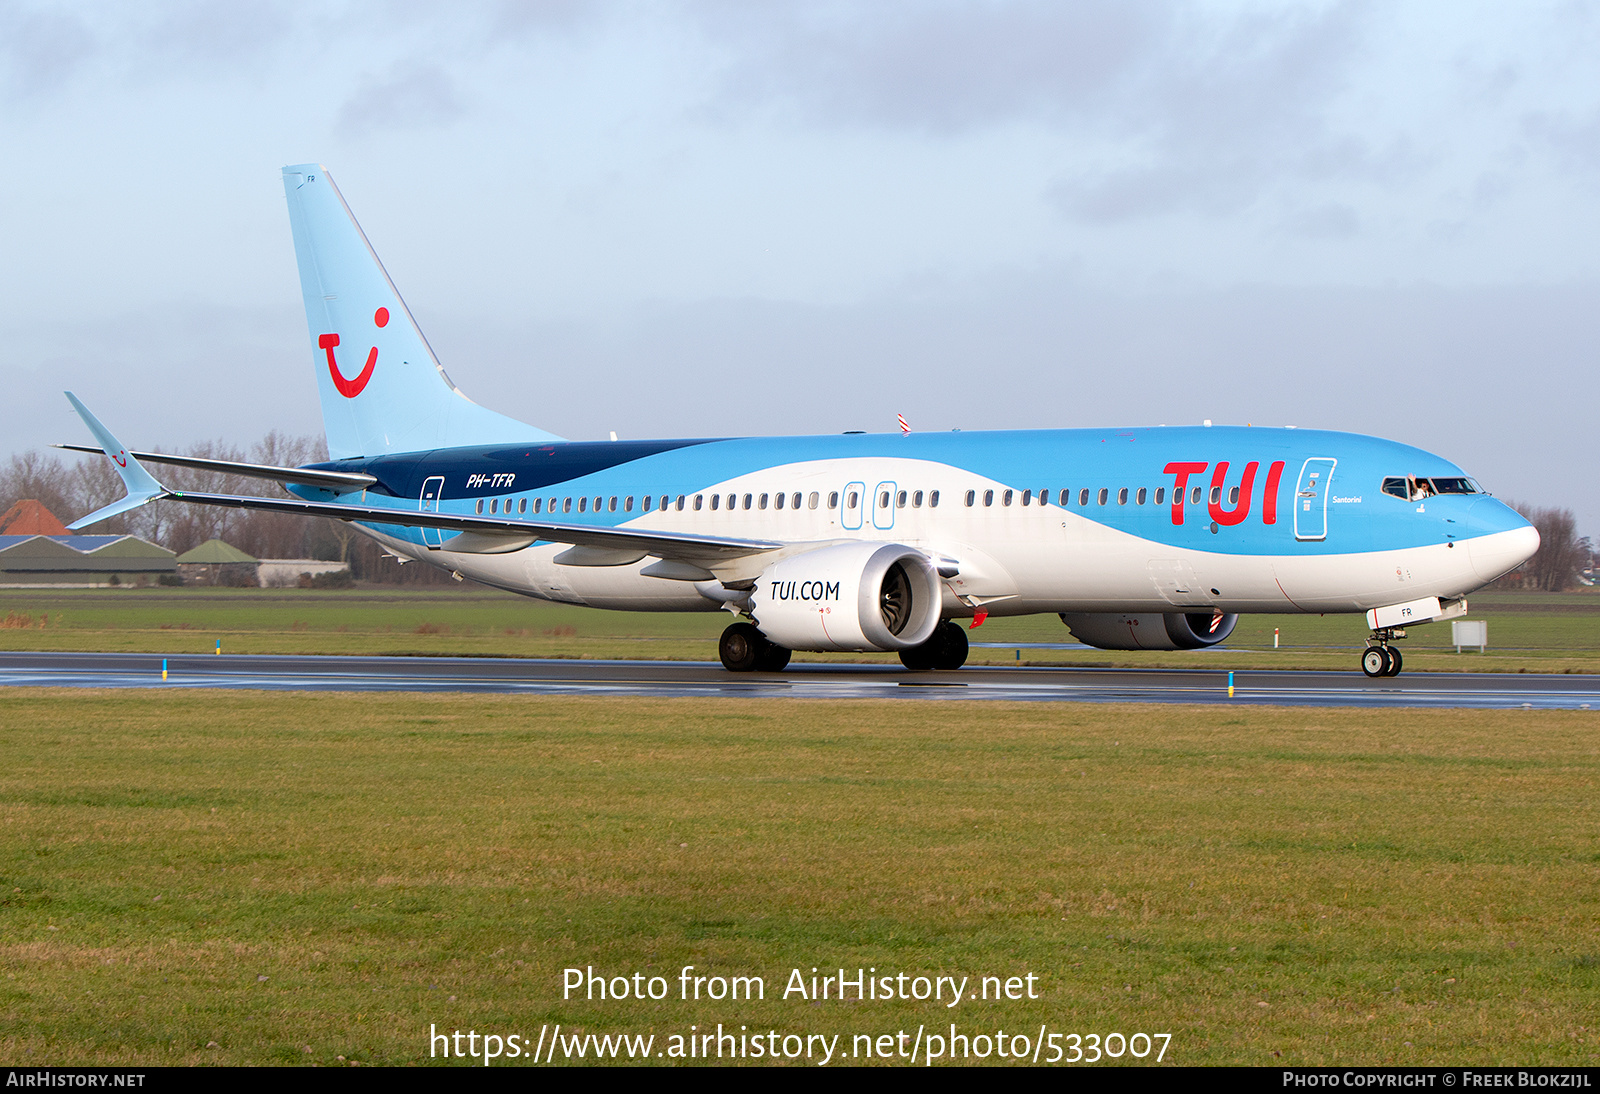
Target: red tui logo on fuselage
(1241, 507)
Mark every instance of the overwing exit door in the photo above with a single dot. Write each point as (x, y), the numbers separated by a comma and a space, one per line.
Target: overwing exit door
(883, 504)
(432, 488)
(852, 504)
(1311, 499)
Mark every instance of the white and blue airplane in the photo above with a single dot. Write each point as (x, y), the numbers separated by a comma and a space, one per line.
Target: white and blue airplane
(1139, 538)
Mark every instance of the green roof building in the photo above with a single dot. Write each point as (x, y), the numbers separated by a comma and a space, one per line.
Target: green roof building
(214, 552)
(82, 560)
(217, 563)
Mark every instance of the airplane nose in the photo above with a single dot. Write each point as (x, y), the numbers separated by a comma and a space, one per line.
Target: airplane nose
(1500, 539)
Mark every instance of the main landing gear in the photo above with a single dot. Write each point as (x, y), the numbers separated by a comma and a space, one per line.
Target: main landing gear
(946, 648)
(1380, 658)
(745, 649)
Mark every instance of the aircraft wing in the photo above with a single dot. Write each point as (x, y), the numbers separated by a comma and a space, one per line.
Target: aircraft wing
(331, 480)
(596, 546)
(491, 535)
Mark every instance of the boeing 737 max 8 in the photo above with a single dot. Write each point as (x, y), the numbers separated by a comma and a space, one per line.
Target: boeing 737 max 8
(1148, 538)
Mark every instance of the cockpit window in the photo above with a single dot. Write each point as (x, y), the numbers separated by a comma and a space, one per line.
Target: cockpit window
(1414, 488)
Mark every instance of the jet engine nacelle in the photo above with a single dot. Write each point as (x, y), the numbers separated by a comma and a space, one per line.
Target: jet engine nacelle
(855, 596)
(1171, 631)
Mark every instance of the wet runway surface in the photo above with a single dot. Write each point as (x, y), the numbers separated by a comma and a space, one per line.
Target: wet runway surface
(681, 678)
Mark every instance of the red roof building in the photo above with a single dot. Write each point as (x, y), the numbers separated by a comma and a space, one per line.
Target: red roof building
(29, 518)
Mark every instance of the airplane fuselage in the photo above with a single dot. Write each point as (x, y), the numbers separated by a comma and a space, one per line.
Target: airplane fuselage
(1160, 519)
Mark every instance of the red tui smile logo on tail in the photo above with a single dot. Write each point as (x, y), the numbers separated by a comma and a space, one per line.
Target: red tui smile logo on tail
(351, 388)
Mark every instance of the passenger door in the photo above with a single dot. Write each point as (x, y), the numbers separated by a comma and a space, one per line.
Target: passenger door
(1311, 499)
(432, 489)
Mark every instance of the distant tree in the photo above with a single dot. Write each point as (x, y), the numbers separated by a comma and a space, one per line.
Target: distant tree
(75, 485)
(1562, 553)
(44, 478)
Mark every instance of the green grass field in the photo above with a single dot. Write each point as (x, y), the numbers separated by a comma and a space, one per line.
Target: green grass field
(1528, 632)
(295, 878)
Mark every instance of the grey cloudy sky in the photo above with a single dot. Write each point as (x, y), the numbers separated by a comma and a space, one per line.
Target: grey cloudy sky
(715, 217)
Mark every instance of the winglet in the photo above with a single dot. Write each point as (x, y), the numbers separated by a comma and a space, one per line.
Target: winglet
(142, 486)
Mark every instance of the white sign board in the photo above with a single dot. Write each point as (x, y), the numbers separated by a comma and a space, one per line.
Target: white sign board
(1469, 632)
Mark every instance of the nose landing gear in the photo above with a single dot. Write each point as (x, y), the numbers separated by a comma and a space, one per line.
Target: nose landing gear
(1379, 658)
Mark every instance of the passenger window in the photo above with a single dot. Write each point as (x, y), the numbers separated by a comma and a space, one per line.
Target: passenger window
(933, 499)
(1194, 496)
(833, 499)
(1161, 494)
(747, 500)
(716, 501)
(627, 504)
(883, 500)
(698, 498)
(612, 505)
(794, 502)
(522, 506)
(1122, 496)
(850, 501)
(1138, 499)
(811, 501)
(1233, 496)
(901, 501)
(664, 502)
(680, 503)
(583, 505)
(1044, 497)
(1083, 497)
(1104, 494)
(1027, 497)
(762, 501)
(537, 504)
(1216, 495)
(494, 505)
(1005, 499)
(480, 506)
(971, 497)
(916, 500)
(1066, 498)
(645, 503)
(777, 501)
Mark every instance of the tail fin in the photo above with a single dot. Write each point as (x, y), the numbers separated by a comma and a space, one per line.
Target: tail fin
(381, 387)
